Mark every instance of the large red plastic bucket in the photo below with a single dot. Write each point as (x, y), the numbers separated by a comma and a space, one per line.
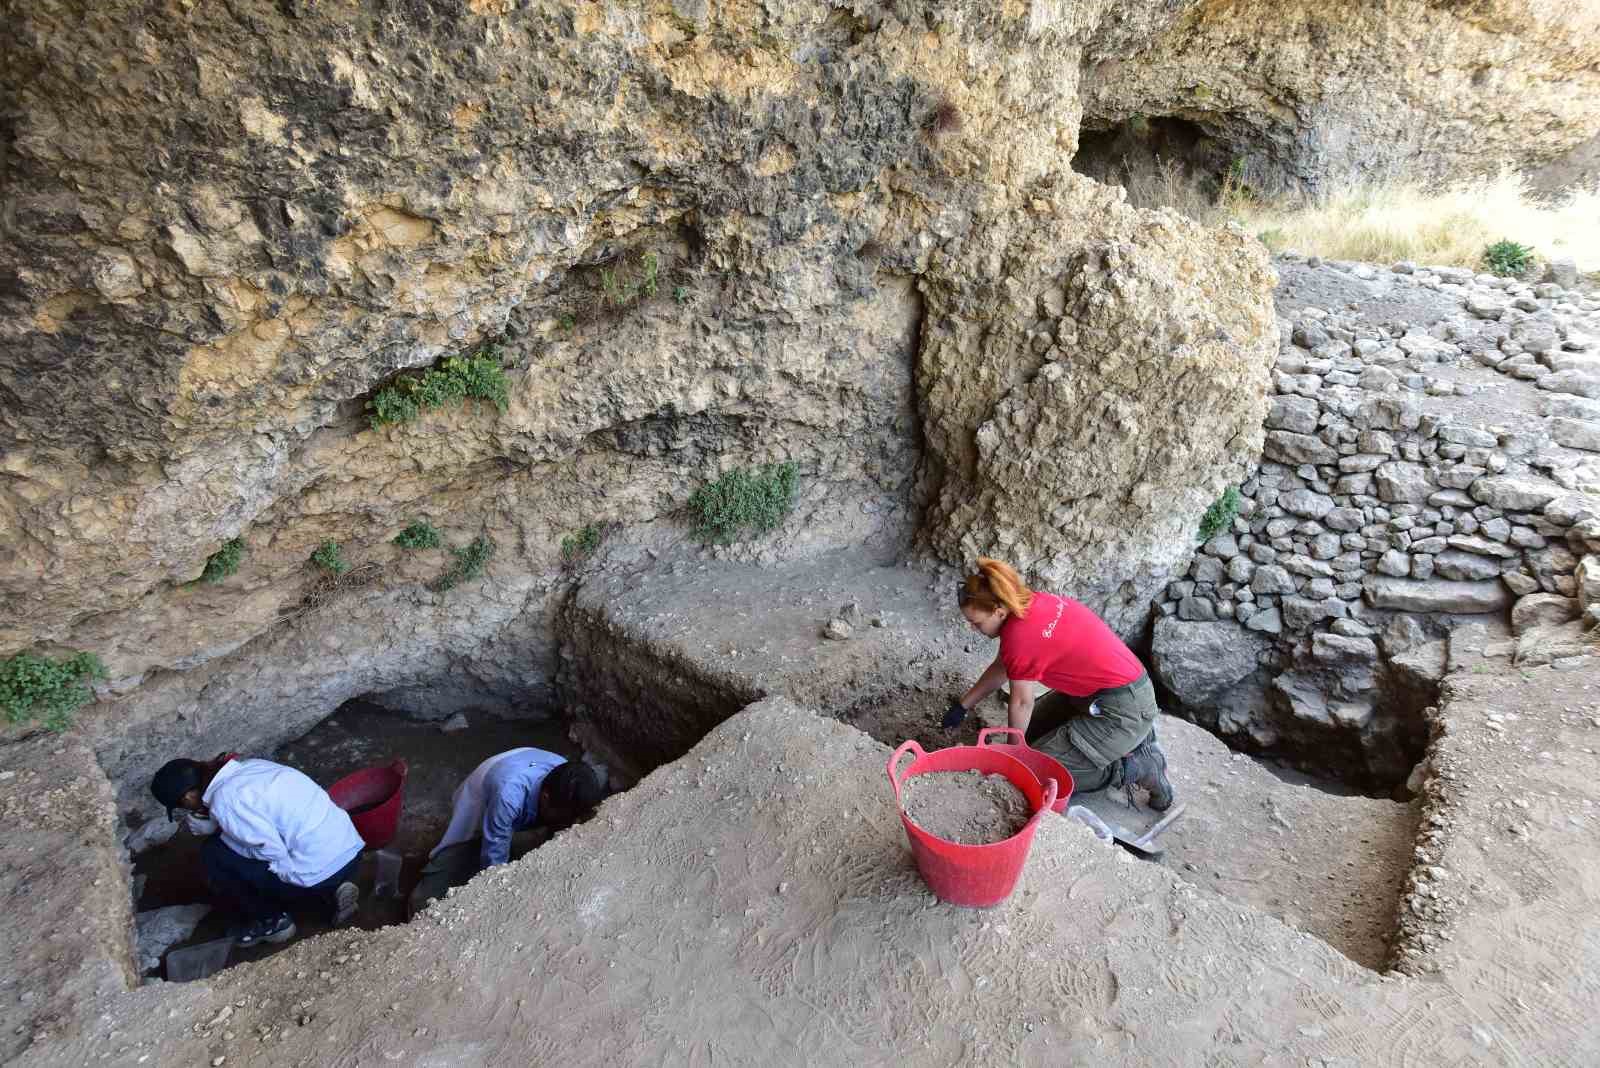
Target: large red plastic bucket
(372, 797)
(975, 876)
(1043, 765)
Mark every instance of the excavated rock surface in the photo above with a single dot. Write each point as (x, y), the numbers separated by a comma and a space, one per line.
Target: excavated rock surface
(756, 901)
(1307, 97)
(67, 936)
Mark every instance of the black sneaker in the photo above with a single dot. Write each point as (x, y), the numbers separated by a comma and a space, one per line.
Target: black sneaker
(279, 928)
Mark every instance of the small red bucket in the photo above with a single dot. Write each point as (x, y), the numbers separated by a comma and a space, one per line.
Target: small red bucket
(1043, 765)
(372, 797)
(975, 876)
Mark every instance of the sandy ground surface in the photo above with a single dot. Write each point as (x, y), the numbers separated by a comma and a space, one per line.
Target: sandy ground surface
(755, 901)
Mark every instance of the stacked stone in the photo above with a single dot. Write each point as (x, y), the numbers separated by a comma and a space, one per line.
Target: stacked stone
(1361, 496)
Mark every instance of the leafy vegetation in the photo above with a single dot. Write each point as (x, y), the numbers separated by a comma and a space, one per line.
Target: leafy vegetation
(419, 534)
(330, 557)
(743, 499)
(1219, 517)
(466, 564)
(223, 562)
(1508, 257)
(34, 686)
(622, 287)
(566, 322)
(479, 376)
(581, 544)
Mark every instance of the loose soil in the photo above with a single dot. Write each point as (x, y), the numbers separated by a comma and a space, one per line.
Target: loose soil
(966, 807)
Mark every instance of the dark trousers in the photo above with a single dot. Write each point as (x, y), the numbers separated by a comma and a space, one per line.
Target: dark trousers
(257, 894)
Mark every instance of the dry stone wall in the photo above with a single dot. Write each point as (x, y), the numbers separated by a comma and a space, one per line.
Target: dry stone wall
(1411, 479)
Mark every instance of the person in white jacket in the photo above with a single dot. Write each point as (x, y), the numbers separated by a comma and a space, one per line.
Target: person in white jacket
(280, 841)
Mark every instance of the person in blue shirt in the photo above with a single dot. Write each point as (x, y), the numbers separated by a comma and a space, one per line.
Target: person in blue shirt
(517, 790)
(276, 840)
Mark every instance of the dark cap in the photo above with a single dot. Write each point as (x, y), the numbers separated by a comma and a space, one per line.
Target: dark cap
(176, 778)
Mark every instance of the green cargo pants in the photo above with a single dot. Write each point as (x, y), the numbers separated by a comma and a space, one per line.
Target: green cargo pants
(1088, 745)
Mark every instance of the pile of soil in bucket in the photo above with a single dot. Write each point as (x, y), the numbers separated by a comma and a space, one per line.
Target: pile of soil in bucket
(966, 807)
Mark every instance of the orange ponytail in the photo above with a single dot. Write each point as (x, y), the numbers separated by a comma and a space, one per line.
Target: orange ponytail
(996, 585)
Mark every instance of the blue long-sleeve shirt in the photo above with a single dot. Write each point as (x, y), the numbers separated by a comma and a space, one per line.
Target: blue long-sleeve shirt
(511, 801)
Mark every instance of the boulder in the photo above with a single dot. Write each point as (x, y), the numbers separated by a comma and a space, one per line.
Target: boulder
(1198, 661)
(1514, 493)
(1455, 564)
(161, 929)
(1306, 504)
(1405, 483)
(1575, 434)
(1266, 621)
(1436, 595)
(1561, 271)
(1576, 383)
(1270, 579)
(1422, 665)
(1301, 613)
(1400, 634)
(1588, 575)
(1541, 645)
(1469, 543)
(1297, 415)
(1286, 447)
(1542, 610)
(1336, 648)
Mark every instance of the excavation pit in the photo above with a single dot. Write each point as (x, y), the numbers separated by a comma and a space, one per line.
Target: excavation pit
(359, 734)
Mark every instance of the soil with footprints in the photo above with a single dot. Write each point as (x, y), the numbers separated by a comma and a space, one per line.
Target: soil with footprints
(967, 807)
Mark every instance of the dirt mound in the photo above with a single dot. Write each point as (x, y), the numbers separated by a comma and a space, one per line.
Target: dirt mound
(967, 807)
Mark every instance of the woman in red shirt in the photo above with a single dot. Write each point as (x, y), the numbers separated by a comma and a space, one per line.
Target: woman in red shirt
(1100, 719)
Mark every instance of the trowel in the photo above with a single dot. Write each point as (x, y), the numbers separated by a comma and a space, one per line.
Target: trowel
(1141, 839)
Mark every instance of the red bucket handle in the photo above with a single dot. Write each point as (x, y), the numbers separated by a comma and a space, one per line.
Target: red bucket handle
(400, 767)
(905, 747)
(1049, 791)
(984, 734)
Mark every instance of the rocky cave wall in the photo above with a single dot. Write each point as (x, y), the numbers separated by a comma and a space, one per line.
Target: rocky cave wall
(1307, 96)
(227, 226)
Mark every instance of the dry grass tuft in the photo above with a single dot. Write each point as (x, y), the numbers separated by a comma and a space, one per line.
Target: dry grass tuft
(329, 586)
(1449, 225)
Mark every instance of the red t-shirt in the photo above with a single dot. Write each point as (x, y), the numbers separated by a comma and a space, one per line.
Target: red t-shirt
(1064, 645)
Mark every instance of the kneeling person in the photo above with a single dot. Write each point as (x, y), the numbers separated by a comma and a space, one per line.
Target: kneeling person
(281, 842)
(512, 791)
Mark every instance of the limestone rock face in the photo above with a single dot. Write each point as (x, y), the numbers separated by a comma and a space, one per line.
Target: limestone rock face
(1141, 353)
(700, 240)
(1307, 96)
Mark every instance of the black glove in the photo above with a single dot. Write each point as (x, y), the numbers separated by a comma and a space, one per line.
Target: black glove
(954, 714)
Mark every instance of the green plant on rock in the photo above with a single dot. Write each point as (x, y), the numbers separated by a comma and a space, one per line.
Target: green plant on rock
(622, 287)
(330, 557)
(566, 322)
(466, 564)
(35, 686)
(1219, 517)
(223, 562)
(582, 543)
(479, 376)
(419, 534)
(743, 499)
(1508, 258)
